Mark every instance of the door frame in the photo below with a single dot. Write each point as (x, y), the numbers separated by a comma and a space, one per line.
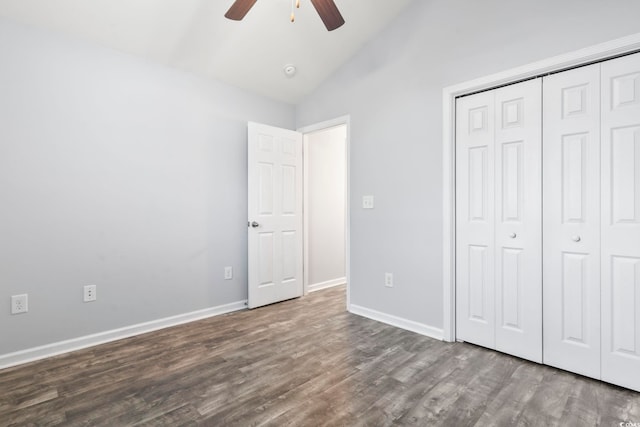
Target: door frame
(596, 53)
(339, 121)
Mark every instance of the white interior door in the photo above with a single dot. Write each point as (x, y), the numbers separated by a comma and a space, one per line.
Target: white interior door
(571, 220)
(498, 219)
(275, 214)
(621, 221)
(475, 297)
(518, 219)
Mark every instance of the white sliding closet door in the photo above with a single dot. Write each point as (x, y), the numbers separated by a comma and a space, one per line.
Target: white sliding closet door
(572, 220)
(518, 220)
(475, 219)
(621, 221)
(498, 219)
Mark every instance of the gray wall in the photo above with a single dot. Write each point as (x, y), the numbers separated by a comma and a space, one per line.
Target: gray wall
(326, 182)
(393, 91)
(130, 176)
(118, 173)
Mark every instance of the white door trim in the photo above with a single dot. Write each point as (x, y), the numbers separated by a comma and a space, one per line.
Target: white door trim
(343, 120)
(584, 56)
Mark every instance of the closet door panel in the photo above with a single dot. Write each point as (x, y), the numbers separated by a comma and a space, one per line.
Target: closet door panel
(475, 219)
(571, 220)
(518, 222)
(621, 221)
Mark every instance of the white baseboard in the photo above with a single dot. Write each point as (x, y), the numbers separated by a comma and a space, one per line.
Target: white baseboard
(328, 284)
(399, 322)
(54, 349)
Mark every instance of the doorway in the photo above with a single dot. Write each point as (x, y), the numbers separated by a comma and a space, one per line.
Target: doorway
(298, 211)
(326, 210)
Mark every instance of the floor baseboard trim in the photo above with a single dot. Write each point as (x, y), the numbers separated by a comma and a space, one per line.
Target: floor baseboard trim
(57, 348)
(398, 322)
(327, 284)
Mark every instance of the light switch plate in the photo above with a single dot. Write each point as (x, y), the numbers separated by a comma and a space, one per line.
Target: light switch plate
(367, 202)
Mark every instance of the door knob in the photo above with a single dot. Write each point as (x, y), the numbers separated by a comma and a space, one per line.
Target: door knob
(255, 224)
(513, 235)
(576, 238)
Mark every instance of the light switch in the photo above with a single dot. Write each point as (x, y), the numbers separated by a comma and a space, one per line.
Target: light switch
(367, 202)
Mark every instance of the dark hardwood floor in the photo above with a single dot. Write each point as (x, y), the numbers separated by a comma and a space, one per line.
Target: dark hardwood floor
(304, 362)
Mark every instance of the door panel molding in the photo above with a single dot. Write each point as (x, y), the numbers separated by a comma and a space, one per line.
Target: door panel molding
(518, 225)
(620, 285)
(476, 216)
(499, 219)
(571, 249)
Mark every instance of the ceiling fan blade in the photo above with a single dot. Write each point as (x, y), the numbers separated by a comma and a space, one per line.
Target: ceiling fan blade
(239, 9)
(329, 13)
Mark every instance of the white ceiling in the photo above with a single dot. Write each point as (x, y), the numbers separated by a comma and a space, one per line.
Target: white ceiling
(193, 35)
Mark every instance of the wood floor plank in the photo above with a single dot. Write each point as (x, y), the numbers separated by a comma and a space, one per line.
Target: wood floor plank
(583, 405)
(513, 398)
(184, 416)
(549, 399)
(304, 362)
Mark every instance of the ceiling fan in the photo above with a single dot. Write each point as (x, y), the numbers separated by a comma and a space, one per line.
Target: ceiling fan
(327, 10)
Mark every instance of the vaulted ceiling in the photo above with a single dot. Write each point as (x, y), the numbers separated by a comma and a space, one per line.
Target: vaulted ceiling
(193, 35)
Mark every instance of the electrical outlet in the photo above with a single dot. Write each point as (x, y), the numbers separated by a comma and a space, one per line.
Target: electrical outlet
(19, 304)
(90, 293)
(388, 280)
(228, 273)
